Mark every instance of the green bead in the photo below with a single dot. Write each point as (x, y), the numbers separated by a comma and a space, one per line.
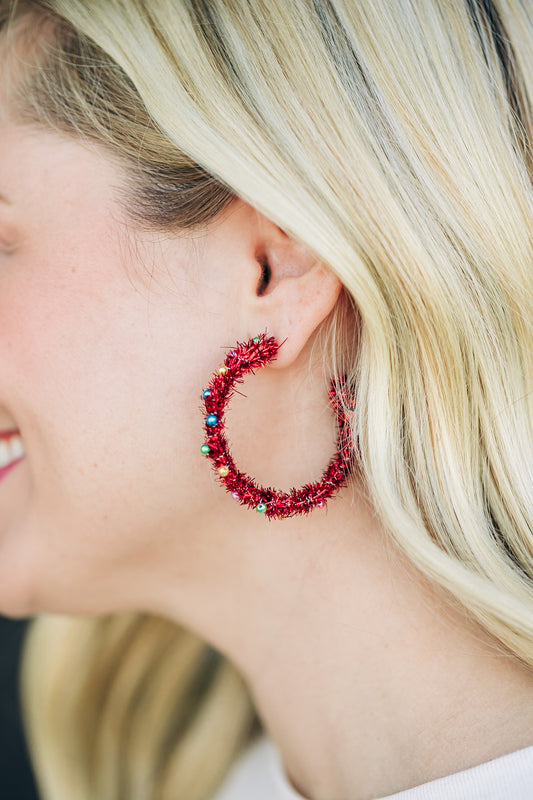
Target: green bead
(205, 449)
(261, 508)
(256, 339)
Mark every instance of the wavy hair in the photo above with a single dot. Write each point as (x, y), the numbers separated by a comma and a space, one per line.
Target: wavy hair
(398, 149)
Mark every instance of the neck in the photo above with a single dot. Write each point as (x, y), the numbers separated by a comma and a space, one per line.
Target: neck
(370, 681)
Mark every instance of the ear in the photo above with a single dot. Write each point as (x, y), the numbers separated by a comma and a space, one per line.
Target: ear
(292, 293)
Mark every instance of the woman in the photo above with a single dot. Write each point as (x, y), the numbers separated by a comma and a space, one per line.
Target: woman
(348, 183)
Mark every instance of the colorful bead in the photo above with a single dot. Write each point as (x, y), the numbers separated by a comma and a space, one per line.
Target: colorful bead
(236, 495)
(261, 508)
(211, 420)
(223, 471)
(206, 393)
(223, 370)
(256, 339)
(205, 449)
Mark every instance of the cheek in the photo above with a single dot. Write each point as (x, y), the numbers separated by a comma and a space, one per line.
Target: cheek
(108, 406)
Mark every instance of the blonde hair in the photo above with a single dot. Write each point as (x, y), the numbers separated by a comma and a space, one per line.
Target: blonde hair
(396, 147)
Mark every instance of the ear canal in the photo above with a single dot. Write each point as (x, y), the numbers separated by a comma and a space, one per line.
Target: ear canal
(266, 275)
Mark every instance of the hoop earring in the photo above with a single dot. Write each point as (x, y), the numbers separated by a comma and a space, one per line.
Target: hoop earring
(244, 358)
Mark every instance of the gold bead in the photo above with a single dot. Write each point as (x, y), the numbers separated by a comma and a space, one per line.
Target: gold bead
(223, 370)
(223, 471)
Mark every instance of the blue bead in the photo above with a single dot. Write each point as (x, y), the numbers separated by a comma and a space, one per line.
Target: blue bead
(206, 393)
(211, 420)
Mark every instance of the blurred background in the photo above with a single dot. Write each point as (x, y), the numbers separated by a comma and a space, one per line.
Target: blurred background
(17, 781)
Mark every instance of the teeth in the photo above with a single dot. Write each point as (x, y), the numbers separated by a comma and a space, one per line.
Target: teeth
(17, 448)
(10, 450)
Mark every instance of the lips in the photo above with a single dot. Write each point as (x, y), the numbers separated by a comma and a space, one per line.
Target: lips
(8, 434)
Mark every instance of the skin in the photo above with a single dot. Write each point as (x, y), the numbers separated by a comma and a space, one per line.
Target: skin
(369, 680)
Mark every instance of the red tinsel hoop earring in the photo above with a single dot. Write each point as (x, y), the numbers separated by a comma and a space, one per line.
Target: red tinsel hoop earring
(244, 358)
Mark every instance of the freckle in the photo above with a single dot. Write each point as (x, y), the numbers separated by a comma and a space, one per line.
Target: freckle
(73, 270)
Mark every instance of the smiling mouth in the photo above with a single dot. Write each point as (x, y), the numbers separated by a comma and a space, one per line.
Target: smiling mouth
(11, 449)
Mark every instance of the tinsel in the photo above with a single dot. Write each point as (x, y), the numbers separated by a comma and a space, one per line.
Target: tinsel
(247, 357)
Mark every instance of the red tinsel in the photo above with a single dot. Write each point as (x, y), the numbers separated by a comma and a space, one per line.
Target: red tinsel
(244, 358)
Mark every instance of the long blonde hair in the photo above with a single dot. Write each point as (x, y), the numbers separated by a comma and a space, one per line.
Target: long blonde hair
(398, 148)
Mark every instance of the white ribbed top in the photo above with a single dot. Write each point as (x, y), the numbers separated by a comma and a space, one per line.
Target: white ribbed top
(259, 775)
